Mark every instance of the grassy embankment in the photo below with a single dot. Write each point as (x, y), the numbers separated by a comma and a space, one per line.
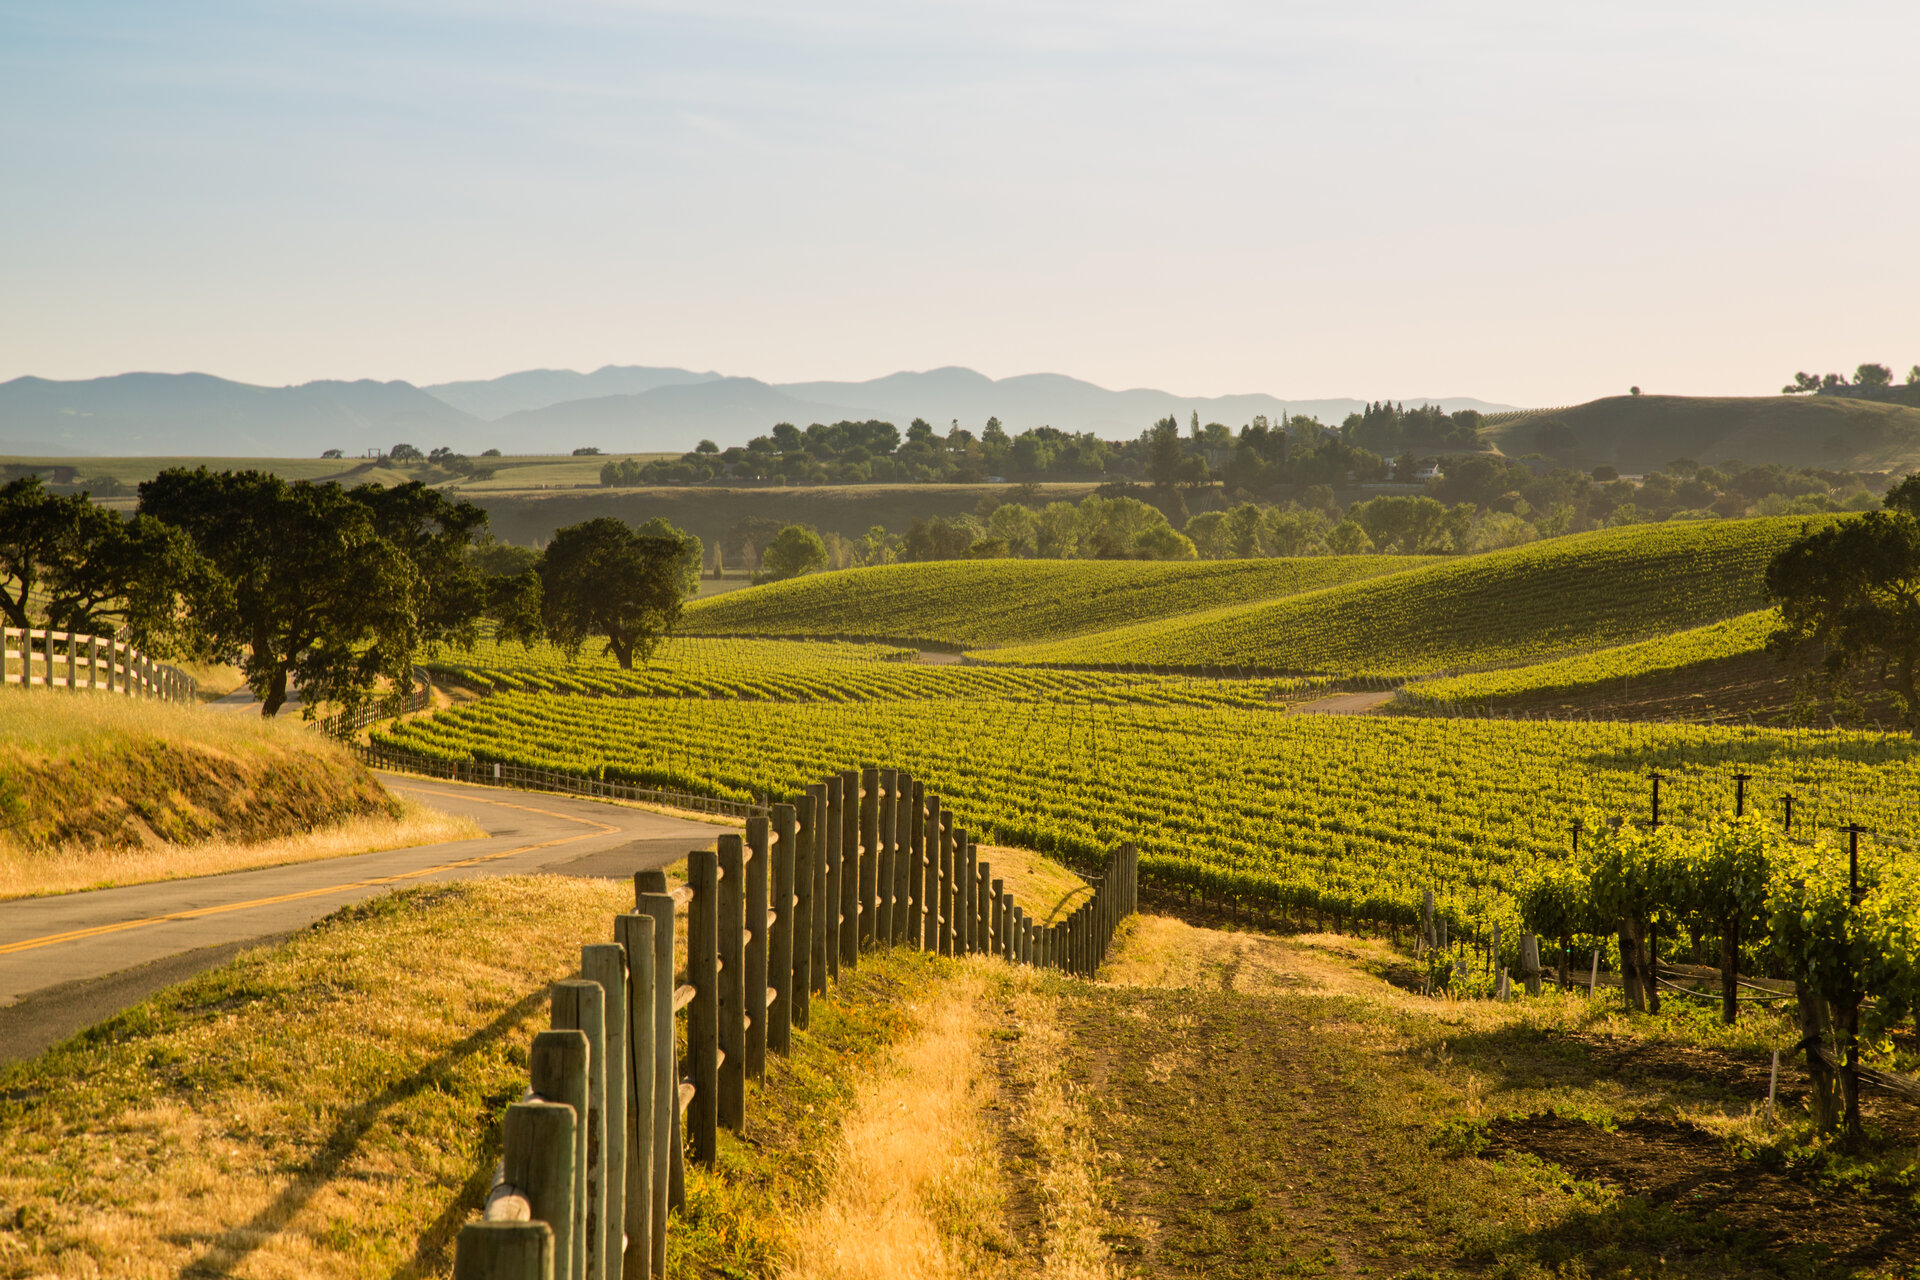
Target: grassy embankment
(1540, 601)
(98, 791)
(968, 603)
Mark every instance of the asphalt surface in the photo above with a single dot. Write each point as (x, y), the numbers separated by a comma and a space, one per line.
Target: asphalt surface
(69, 961)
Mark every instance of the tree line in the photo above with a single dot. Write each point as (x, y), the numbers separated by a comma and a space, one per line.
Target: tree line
(328, 591)
(1263, 453)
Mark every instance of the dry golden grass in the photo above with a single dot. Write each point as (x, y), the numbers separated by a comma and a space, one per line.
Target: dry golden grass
(25, 874)
(1044, 889)
(1052, 1116)
(108, 772)
(324, 1108)
(915, 1190)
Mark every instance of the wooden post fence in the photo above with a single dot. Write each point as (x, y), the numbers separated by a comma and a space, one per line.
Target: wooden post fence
(593, 1158)
(77, 662)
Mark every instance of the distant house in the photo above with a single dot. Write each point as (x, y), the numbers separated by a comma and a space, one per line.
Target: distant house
(1429, 472)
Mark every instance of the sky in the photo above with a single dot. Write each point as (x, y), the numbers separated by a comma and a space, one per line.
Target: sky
(1531, 202)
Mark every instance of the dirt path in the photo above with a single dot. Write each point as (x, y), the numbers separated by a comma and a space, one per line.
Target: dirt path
(1266, 1106)
(1345, 704)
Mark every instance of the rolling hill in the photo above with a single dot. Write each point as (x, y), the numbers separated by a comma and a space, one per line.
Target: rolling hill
(986, 602)
(1540, 601)
(1637, 434)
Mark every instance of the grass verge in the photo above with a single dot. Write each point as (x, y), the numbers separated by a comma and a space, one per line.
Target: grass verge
(26, 874)
(327, 1107)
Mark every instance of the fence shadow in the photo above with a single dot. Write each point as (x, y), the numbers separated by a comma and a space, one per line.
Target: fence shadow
(235, 1244)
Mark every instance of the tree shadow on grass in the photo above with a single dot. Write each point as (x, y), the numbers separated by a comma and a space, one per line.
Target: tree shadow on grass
(236, 1243)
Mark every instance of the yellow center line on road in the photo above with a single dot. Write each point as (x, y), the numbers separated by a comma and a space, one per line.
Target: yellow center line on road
(72, 935)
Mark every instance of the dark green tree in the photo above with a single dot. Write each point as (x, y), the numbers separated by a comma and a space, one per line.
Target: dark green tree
(84, 568)
(795, 550)
(692, 550)
(309, 596)
(1164, 453)
(1852, 591)
(437, 535)
(602, 578)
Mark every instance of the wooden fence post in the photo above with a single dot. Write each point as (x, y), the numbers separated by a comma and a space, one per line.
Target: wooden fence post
(930, 837)
(732, 1099)
(884, 855)
(969, 893)
(703, 1013)
(852, 805)
(1530, 962)
(537, 1143)
(756, 982)
(960, 909)
(827, 946)
(821, 849)
(902, 858)
(558, 1068)
(869, 851)
(657, 903)
(634, 932)
(984, 898)
(943, 897)
(503, 1251)
(579, 1005)
(916, 864)
(606, 964)
(807, 831)
(996, 904)
(780, 931)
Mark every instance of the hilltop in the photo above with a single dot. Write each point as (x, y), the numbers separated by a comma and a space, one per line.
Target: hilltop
(1637, 434)
(985, 602)
(1541, 600)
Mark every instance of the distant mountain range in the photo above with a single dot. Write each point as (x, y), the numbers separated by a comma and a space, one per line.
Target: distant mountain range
(620, 409)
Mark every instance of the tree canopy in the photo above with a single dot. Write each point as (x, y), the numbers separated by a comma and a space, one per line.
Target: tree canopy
(308, 594)
(1852, 592)
(84, 568)
(602, 578)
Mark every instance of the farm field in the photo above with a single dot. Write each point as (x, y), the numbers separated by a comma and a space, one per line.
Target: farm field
(1347, 815)
(809, 671)
(1501, 608)
(1662, 656)
(972, 603)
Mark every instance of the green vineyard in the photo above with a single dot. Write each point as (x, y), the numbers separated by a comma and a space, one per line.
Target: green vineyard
(1539, 601)
(802, 671)
(969, 603)
(1734, 637)
(1352, 816)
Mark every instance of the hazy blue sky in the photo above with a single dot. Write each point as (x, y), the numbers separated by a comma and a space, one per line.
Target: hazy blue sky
(1532, 202)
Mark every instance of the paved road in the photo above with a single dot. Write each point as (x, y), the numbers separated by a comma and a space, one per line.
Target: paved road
(69, 961)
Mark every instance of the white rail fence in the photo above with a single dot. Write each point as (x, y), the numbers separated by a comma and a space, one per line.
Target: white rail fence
(71, 660)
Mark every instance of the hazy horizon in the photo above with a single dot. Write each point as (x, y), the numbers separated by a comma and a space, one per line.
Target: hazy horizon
(1312, 200)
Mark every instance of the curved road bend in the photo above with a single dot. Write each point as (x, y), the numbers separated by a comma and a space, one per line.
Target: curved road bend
(69, 961)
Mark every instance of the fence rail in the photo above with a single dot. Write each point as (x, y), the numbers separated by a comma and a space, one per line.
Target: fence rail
(594, 1157)
(78, 662)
